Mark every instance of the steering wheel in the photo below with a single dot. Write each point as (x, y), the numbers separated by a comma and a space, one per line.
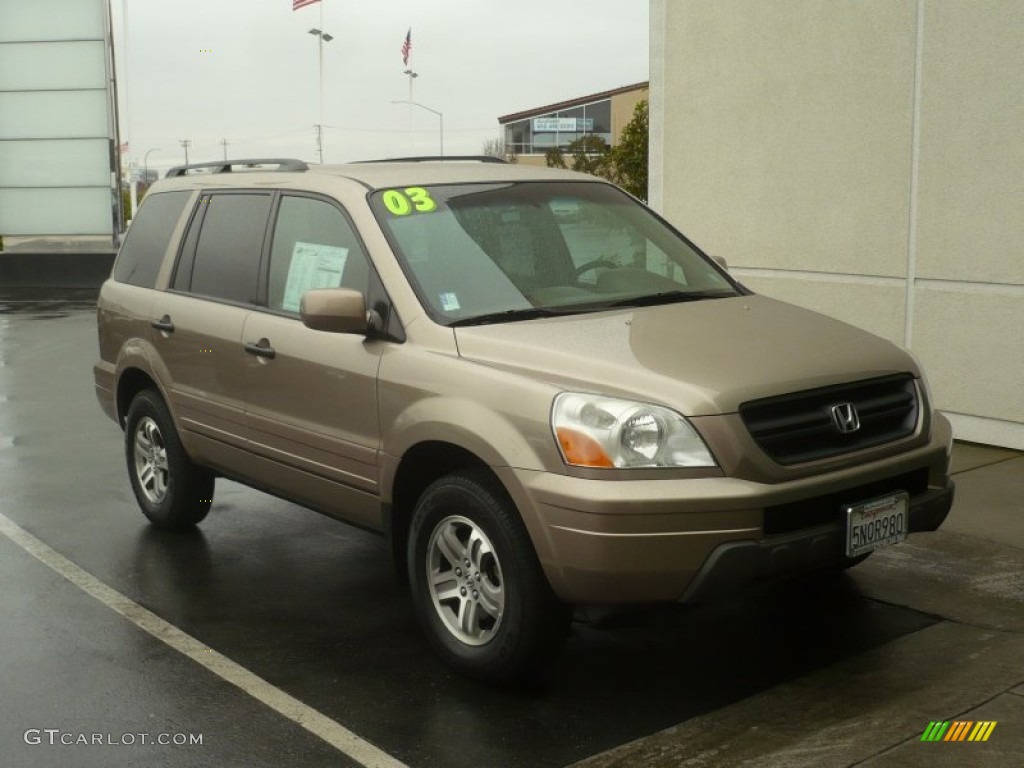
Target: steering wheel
(583, 268)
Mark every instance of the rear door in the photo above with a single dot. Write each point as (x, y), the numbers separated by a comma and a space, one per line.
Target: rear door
(311, 395)
(198, 322)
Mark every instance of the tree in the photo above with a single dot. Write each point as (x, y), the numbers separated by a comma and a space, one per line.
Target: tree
(497, 148)
(590, 154)
(630, 156)
(624, 164)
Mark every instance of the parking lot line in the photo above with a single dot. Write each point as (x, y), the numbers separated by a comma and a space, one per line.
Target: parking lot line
(335, 734)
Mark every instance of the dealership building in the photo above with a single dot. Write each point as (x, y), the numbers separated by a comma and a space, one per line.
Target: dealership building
(865, 160)
(530, 134)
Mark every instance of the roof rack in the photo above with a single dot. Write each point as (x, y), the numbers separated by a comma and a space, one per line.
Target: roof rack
(437, 158)
(228, 166)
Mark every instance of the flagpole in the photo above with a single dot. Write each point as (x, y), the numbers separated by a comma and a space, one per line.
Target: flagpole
(406, 48)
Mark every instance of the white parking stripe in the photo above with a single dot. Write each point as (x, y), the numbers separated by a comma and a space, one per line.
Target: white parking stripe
(335, 734)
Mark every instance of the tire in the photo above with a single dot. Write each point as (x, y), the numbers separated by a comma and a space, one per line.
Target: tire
(172, 492)
(497, 620)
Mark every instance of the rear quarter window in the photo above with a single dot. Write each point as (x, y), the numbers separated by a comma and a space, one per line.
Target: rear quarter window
(144, 247)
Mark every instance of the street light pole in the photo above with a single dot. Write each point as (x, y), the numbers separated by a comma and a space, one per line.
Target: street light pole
(429, 109)
(412, 76)
(322, 37)
(186, 143)
(145, 164)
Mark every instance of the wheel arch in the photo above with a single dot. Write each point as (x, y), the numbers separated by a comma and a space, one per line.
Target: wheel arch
(419, 466)
(130, 382)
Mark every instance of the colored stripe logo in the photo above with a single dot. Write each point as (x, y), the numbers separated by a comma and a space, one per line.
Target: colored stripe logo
(958, 730)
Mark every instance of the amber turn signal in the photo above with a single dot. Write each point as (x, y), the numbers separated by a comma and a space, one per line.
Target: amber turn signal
(582, 450)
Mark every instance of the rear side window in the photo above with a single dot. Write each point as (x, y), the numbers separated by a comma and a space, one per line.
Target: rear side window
(140, 258)
(227, 258)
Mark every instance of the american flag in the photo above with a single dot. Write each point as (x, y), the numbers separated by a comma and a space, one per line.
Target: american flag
(406, 46)
(296, 4)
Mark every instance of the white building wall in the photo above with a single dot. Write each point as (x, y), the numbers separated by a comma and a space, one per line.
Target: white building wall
(866, 160)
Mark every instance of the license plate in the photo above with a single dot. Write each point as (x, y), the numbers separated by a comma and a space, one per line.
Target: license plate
(876, 523)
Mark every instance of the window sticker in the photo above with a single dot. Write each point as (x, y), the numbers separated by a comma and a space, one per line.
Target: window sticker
(409, 200)
(313, 266)
(449, 302)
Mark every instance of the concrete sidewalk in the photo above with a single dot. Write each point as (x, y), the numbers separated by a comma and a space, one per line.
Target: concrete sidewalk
(872, 709)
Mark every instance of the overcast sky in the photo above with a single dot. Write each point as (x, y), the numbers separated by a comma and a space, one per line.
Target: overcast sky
(246, 71)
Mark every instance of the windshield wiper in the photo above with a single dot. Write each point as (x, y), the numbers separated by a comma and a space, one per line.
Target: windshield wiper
(670, 297)
(507, 315)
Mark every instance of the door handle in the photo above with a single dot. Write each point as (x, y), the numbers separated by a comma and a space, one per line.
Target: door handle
(261, 348)
(163, 324)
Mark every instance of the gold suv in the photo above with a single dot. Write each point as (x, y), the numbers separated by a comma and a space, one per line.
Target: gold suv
(541, 393)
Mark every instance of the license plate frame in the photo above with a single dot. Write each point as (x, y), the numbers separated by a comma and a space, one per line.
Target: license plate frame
(876, 523)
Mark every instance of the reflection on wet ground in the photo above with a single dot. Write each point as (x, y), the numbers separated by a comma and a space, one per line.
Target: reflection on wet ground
(46, 303)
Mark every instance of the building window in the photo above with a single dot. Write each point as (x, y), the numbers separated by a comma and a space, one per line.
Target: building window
(537, 135)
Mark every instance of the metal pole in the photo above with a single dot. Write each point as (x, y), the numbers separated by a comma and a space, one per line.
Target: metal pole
(320, 48)
(145, 163)
(117, 223)
(440, 116)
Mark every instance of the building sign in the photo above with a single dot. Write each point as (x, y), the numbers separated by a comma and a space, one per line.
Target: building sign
(58, 173)
(562, 124)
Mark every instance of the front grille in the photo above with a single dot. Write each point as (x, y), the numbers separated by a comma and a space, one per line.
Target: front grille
(828, 510)
(799, 427)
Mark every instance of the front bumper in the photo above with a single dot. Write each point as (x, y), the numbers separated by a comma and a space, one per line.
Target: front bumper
(737, 565)
(611, 542)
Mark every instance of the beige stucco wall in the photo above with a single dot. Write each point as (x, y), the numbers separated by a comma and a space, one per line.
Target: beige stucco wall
(623, 105)
(864, 159)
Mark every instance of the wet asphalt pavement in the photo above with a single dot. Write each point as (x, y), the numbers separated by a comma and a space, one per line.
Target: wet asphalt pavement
(311, 606)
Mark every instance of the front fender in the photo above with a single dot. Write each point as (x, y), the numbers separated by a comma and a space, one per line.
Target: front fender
(489, 435)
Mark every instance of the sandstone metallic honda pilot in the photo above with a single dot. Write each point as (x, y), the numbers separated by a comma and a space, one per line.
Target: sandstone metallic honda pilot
(537, 389)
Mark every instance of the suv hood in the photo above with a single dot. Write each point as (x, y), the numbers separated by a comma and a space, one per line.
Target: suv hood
(701, 358)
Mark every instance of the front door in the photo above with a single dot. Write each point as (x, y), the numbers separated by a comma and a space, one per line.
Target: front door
(311, 396)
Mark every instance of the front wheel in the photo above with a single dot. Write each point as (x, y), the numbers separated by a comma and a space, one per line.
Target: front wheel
(479, 590)
(173, 492)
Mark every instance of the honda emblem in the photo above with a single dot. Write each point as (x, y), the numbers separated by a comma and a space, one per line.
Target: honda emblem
(844, 416)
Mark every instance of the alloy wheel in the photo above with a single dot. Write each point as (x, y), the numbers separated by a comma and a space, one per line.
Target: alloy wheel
(465, 581)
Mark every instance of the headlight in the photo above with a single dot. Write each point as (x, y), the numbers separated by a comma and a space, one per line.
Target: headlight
(594, 431)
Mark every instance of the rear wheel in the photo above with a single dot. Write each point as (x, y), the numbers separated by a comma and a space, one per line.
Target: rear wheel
(173, 492)
(479, 590)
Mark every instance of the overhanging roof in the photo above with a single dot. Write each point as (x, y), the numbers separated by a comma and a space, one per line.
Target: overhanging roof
(572, 102)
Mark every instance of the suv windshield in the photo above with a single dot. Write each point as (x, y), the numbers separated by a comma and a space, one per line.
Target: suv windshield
(496, 252)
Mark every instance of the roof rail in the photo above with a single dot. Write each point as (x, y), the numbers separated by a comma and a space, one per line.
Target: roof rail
(437, 158)
(227, 166)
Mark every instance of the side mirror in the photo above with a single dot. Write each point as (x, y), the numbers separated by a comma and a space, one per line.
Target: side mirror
(335, 310)
(720, 260)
